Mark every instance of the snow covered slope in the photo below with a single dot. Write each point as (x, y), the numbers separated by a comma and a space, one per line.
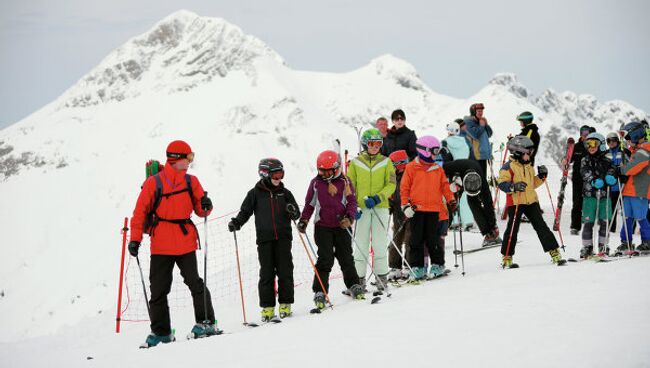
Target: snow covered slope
(71, 171)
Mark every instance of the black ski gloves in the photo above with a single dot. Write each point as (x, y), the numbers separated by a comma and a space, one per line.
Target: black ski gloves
(302, 226)
(293, 212)
(133, 248)
(206, 202)
(234, 225)
(542, 172)
(519, 187)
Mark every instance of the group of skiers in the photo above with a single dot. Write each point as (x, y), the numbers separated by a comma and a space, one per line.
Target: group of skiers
(423, 183)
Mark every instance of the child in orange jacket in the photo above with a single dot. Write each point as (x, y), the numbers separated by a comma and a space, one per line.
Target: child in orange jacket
(424, 195)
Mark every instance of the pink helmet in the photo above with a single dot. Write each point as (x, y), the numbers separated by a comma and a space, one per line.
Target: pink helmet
(427, 145)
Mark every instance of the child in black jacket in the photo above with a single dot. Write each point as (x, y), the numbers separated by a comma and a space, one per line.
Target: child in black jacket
(274, 207)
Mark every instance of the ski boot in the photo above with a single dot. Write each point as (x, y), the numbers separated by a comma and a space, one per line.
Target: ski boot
(419, 273)
(575, 231)
(436, 271)
(362, 283)
(492, 238)
(319, 300)
(357, 292)
(586, 251)
(284, 310)
(153, 340)
(382, 282)
(644, 247)
(268, 314)
(623, 249)
(203, 329)
(394, 274)
(506, 262)
(557, 257)
(603, 250)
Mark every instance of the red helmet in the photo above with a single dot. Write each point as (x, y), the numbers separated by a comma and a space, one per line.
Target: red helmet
(400, 159)
(328, 164)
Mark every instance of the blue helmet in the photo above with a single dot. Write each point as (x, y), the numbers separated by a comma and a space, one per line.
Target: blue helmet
(634, 131)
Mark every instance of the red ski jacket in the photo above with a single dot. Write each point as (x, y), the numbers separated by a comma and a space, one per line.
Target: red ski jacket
(169, 238)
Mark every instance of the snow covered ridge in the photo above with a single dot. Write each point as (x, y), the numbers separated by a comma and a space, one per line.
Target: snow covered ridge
(177, 54)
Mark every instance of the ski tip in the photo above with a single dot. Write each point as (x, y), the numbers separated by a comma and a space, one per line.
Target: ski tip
(315, 311)
(375, 300)
(572, 260)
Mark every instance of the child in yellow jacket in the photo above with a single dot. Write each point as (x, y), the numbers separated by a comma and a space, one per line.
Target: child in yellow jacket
(517, 176)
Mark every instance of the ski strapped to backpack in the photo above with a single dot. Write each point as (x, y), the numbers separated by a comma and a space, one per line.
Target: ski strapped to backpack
(152, 219)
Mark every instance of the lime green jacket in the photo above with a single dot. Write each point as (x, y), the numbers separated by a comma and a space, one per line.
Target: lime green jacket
(372, 175)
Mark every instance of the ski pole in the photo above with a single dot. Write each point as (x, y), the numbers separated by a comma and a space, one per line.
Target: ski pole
(293, 209)
(241, 286)
(550, 197)
(313, 266)
(628, 235)
(144, 288)
(460, 222)
(596, 221)
(379, 281)
(205, 265)
(393, 241)
(607, 200)
(512, 229)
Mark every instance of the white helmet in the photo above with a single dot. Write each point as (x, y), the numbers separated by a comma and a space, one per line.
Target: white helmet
(453, 128)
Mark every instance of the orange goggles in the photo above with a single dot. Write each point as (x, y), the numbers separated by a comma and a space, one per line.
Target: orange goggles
(179, 156)
(277, 175)
(375, 144)
(592, 143)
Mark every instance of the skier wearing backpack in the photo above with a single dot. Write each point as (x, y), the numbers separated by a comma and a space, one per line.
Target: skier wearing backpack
(597, 172)
(637, 186)
(373, 177)
(330, 197)
(168, 199)
(518, 177)
(458, 148)
(424, 191)
(274, 207)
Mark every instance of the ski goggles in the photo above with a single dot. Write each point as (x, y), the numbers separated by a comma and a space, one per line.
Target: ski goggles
(592, 143)
(375, 144)
(401, 163)
(277, 175)
(613, 140)
(178, 156)
(326, 173)
(433, 150)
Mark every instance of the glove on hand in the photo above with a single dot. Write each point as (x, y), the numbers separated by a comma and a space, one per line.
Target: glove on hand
(302, 226)
(597, 183)
(234, 225)
(408, 210)
(610, 180)
(519, 187)
(133, 248)
(453, 204)
(372, 201)
(293, 212)
(206, 202)
(345, 223)
(542, 172)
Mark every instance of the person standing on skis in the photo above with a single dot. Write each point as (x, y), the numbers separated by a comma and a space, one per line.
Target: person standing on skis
(479, 133)
(401, 231)
(330, 197)
(373, 177)
(459, 149)
(517, 176)
(597, 172)
(579, 151)
(163, 209)
(274, 208)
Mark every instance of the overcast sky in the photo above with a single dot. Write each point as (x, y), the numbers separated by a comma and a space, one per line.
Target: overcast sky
(597, 47)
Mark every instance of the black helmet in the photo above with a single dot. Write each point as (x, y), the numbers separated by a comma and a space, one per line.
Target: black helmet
(634, 131)
(525, 117)
(520, 145)
(267, 166)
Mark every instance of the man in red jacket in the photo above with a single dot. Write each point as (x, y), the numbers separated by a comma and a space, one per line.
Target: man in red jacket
(166, 201)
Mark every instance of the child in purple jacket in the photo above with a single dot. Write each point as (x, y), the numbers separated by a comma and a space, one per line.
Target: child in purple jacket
(331, 199)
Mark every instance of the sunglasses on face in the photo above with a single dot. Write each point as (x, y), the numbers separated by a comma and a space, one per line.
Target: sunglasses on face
(399, 119)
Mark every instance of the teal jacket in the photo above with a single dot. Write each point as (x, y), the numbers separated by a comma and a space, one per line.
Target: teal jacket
(372, 175)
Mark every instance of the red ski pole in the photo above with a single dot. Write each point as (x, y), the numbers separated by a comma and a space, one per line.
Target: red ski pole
(512, 229)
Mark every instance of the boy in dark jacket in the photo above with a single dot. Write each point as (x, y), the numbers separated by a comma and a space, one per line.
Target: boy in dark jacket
(331, 198)
(274, 207)
(597, 171)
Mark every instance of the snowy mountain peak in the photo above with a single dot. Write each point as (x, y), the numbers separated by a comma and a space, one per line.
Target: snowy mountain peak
(399, 70)
(179, 53)
(511, 83)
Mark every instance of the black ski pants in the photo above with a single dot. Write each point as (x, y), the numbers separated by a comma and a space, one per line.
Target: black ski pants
(275, 260)
(424, 233)
(333, 243)
(160, 277)
(401, 235)
(534, 214)
(482, 209)
(576, 210)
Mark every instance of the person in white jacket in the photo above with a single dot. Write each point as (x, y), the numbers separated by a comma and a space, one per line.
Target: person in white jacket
(459, 147)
